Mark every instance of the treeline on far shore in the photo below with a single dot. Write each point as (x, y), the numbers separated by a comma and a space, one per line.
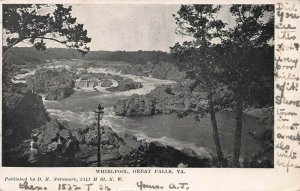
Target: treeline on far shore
(21, 55)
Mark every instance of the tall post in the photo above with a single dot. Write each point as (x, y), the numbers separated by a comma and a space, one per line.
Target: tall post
(98, 115)
(99, 142)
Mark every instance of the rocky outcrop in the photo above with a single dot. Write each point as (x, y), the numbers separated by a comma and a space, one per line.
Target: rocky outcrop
(160, 100)
(61, 93)
(49, 131)
(117, 149)
(21, 114)
(124, 149)
(55, 83)
(166, 70)
(89, 136)
(136, 105)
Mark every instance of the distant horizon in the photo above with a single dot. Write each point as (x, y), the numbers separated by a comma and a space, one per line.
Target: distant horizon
(32, 47)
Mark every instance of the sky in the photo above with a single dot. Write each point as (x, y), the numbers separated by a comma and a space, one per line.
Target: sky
(130, 27)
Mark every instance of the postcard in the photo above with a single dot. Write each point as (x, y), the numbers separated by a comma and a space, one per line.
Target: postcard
(150, 95)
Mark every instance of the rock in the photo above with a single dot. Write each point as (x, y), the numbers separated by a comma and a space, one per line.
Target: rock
(55, 83)
(60, 93)
(108, 136)
(49, 131)
(135, 105)
(21, 114)
(159, 100)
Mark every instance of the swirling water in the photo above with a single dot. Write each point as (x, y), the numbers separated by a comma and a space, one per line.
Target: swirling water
(168, 129)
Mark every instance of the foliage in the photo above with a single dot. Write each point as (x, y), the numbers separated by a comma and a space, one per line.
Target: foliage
(30, 22)
(134, 57)
(28, 54)
(200, 22)
(254, 25)
(249, 72)
(247, 59)
(231, 64)
(199, 57)
(220, 56)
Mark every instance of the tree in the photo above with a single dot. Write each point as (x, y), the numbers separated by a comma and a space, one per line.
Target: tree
(244, 59)
(26, 22)
(198, 59)
(232, 65)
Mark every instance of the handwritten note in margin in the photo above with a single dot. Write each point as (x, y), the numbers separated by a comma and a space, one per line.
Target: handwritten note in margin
(287, 90)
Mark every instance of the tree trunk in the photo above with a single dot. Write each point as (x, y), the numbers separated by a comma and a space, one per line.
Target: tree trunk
(238, 131)
(215, 129)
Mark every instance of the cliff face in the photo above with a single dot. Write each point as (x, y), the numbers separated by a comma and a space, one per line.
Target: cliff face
(21, 114)
(56, 83)
(166, 70)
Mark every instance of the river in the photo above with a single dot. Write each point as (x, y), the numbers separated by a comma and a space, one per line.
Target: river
(167, 128)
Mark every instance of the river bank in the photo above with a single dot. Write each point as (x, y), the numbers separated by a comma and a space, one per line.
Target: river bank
(117, 149)
(126, 150)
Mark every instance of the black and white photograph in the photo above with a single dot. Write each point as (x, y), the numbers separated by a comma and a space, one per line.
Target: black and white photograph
(138, 85)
